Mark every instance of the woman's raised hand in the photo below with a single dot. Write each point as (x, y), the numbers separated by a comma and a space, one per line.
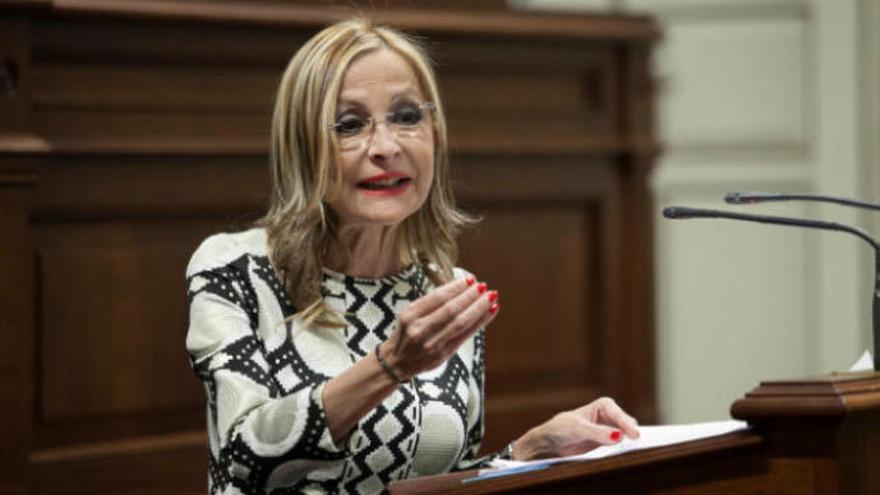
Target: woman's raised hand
(601, 422)
(433, 326)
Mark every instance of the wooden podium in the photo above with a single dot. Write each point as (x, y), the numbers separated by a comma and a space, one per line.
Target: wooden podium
(811, 436)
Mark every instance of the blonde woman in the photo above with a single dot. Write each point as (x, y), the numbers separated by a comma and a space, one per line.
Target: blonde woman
(339, 347)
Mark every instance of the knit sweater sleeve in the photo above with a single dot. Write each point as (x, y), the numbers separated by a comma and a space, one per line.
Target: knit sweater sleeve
(262, 435)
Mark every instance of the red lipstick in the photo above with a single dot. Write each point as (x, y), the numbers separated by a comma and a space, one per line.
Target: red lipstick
(385, 184)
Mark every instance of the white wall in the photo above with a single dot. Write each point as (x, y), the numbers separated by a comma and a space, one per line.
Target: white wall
(758, 95)
(871, 136)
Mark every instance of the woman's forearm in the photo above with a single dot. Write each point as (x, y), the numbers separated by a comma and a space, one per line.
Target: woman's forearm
(351, 395)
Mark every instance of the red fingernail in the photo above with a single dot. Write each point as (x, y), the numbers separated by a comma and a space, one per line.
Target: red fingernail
(494, 308)
(481, 287)
(469, 280)
(615, 436)
(493, 296)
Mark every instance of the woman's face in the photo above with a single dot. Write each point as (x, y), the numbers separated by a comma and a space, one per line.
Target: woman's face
(386, 140)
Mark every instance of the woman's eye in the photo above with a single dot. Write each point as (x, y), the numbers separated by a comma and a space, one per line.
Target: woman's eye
(349, 124)
(410, 115)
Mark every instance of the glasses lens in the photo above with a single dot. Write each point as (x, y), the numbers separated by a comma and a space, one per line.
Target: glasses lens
(349, 125)
(408, 116)
(353, 131)
(350, 130)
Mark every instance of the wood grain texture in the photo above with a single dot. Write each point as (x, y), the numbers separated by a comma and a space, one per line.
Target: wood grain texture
(17, 326)
(833, 420)
(15, 87)
(832, 397)
(494, 22)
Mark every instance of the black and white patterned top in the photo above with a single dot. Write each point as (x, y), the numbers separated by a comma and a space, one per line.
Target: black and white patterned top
(263, 378)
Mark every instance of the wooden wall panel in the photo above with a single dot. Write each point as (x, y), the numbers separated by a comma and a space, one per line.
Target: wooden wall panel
(107, 354)
(547, 216)
(147, 130)
(492, 95)
(548, 245)
(17, 326)
(144, 470)
(526, 355)
(166, 186)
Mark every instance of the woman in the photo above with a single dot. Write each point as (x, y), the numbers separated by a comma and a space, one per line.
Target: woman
(339, 347)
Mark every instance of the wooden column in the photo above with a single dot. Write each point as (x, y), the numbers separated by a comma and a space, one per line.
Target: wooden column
(17, 327)
(827, 427)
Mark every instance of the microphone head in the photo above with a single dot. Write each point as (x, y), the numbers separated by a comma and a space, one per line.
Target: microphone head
(734, 198)
(742, 198)
(674, 212)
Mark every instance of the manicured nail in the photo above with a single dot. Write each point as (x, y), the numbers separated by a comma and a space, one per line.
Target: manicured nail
(469, 280)
(493, 296)
(615, 436)
(481, 287)
(494, 308)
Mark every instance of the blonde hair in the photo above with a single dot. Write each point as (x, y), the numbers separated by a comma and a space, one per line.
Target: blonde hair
(305, 162)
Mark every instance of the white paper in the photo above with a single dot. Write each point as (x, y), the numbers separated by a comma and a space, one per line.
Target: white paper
(865, 363)
(650, 437)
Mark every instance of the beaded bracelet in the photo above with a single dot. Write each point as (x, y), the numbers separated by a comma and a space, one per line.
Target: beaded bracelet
(388, 369)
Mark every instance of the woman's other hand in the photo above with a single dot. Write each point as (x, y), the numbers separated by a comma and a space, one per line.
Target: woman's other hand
(432, 328)
(601, 422)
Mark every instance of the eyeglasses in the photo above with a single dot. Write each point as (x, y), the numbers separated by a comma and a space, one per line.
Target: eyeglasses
(354, 130)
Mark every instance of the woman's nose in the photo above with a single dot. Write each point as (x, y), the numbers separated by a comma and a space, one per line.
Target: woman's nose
(382, 142)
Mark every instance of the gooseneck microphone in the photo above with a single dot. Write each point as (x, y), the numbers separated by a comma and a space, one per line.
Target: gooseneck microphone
(683, 213)
(741, 198)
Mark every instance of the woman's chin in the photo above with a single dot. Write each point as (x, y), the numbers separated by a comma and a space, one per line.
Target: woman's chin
(385, 219)
(380, 212)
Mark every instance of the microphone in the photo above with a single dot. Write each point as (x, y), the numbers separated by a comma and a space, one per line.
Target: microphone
(683, 213)
(741, 198)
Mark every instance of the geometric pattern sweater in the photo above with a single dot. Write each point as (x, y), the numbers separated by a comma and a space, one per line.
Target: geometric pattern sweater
(264, 373)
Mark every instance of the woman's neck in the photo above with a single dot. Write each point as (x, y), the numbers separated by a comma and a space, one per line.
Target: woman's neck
(365, 251)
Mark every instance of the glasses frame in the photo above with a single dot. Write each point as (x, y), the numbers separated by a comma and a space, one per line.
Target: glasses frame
(371, 121)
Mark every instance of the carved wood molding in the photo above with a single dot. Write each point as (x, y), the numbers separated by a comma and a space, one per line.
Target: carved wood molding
(265, 13)
(17, 175)
(194, 440)
(832, 397)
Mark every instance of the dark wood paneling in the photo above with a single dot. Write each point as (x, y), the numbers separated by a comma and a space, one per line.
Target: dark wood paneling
(108, 354)
(15, 86)
(144, 468)
(143, 127)
(549, 245)
(228, 189)
(17, 326)
(544, 218)
(131, 89)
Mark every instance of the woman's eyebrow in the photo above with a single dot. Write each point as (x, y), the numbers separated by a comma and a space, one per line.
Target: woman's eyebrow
(408, 94)
(346, 105)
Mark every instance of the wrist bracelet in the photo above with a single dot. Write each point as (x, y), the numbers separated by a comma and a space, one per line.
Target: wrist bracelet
(507, 452)
(388, 369)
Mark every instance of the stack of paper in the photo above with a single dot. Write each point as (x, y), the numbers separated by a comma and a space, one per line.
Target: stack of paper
(650, 437)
